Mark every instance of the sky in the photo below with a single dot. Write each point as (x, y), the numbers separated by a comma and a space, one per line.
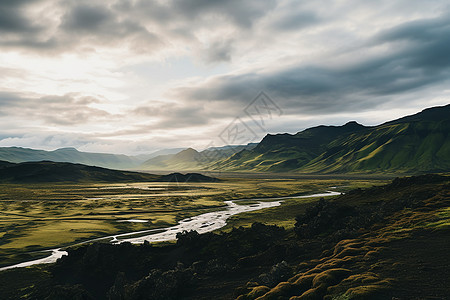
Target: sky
(135, 76)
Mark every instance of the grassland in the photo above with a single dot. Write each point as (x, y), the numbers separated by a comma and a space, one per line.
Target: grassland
(384, 242)
(34, 217)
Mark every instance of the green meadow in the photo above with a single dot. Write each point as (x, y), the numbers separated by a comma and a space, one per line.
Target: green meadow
(35, 217)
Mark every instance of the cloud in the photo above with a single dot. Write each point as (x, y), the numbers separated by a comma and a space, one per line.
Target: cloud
(292, 19)
(14, 18)
(205, 60)
(66, 110)
(149, 28)
(219, 51)
(355, 84)
(427, 42)
(99, 25)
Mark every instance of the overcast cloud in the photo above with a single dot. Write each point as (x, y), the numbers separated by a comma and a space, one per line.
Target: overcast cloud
(135, 76)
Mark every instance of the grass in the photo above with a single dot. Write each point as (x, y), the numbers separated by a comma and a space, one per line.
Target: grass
(35, 217)
(392, 246)
(283, 215)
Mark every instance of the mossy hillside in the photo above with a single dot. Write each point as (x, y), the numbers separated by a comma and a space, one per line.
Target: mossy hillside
(411, 145)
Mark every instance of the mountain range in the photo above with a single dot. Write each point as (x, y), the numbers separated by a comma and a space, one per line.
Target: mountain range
(413, 144)
(72, 155)
(191, 159)
(417, 143)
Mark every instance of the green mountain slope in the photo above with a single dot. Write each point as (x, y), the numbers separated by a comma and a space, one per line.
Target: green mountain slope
(412, 144)
(286, 152)
(191, 159)
(401, 148)
(187, 159)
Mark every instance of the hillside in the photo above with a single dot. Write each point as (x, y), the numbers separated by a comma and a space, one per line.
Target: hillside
(191, 159)
(386, 242)
(413, 144)
(47, 171)
(286, 152)
(187, 159)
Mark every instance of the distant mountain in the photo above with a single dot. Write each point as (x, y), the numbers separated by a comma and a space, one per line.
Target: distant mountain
(187, 159)
(144, 157)
(190, 159)
(412, 144)
(47, 171)
(115, 161)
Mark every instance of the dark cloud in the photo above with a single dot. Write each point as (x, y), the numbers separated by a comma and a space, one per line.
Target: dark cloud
(13, 17)
(169, 116)
(219, 51)
(427, 43)
(241, 13)
(296, 20)
(355, 85)
(87, 18)
(143, 26)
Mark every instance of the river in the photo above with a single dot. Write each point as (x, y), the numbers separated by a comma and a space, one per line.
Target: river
(202, 223)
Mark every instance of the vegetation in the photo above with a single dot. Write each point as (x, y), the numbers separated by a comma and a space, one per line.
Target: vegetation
(384, 242)
(413, 144)
(39, 216)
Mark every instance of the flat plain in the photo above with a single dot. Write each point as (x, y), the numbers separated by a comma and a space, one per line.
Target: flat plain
(36, 217)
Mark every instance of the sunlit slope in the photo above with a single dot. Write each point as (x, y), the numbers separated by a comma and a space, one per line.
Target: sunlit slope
(187, 159)
(406, 148)
(286, 152)
(412, 144)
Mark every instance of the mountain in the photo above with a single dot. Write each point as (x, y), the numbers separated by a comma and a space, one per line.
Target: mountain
(412, 144)
(144, 157)
(191, 159)
(286, 152)
(47, 171)
(18, 155)
(187, 159)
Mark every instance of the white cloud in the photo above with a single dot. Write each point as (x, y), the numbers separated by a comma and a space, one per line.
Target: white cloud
(175, 73)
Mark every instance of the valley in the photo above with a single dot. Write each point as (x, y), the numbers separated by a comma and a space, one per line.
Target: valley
(37, 217)
(370, 243)
(331, 212)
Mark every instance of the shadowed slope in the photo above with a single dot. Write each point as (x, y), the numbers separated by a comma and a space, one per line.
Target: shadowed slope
(46, 171)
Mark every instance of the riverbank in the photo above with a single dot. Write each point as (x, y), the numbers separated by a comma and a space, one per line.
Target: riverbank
(38, 217)
(203, 223)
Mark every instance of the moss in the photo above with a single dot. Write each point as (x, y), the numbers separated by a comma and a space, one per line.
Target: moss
(257, 292)
(282, 289)
(366, 291)
(330, 277)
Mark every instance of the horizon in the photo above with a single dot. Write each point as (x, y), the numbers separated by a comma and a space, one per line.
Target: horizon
(225, 145)
(136, 77)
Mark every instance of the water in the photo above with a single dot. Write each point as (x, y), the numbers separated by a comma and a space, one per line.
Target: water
(202, 223)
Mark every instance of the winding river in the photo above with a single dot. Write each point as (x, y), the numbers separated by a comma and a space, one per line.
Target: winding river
(202, 223)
